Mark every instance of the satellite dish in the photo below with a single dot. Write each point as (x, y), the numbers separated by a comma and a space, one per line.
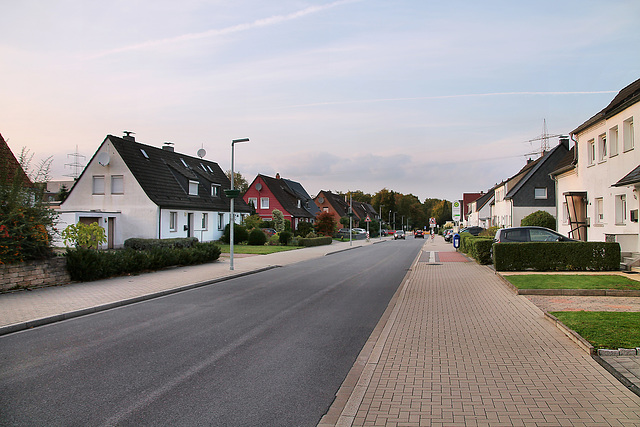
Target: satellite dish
(202, 152)
(321, 199)
(103, 159)
(258, 186)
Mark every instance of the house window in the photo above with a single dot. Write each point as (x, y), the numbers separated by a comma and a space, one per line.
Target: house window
(173, 221)
(117, 184)
(565, 213)
(540, 192)
(602, 147)
(599, 210)
(98, 184)
(627, 134)
(205, 221)
(264, 203)
(591, 146)
(621, 209)
(613, 141)
(220, 221)
(193, 188)
(253, 201)
(215, 190)
(325, 209)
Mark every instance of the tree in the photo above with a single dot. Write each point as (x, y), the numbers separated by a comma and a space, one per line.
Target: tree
(278, 220)
(239, 183)
(85, 236)
(539, 219)
(325, 224)
(26, 222)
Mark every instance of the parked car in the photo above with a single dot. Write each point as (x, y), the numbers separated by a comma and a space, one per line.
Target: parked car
(343, 232)
(529, 234)
(475, 230)
(448, 234)
(399, 234)
(359, 230)
(269, 231)
(418, 233)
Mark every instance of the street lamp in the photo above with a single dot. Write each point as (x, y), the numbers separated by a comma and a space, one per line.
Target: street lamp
(232, 194)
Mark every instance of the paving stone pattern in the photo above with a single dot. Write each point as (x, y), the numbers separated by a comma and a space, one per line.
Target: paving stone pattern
(462, 349)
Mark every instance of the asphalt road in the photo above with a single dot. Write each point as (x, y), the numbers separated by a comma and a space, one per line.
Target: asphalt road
(269, 349)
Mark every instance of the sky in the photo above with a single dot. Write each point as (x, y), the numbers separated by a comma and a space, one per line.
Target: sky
(421, 97)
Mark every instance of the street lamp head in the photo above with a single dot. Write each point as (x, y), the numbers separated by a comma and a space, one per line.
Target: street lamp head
(235, 141)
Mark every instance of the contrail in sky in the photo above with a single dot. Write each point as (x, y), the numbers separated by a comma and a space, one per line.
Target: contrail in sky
(469, 95)
(264, 22)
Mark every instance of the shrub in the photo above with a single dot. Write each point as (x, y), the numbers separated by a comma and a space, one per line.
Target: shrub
(274, 240)
(325, 224)
(252, 221)
(278, 220)
(311, 235)
(556, 256)
(318, 241)
(87, 264)
(539, 219)
(146, 244)
(257, 237)
(304, 228)
(489, 232)
(479, 248)
(285, 237)
(85, 236)
(240, 234)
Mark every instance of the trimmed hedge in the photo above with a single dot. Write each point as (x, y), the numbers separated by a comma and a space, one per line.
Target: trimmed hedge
(478, 248)
(557, 256)
(147, 244)
(315, 241)
(87, 264)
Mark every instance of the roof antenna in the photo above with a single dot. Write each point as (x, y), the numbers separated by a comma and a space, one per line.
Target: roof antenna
(127, 135)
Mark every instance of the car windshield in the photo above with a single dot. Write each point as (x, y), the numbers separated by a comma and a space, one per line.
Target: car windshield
(542, 236)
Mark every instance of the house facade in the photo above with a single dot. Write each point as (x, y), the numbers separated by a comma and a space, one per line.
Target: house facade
(467, 199)
(136, 190)
(597, 186)
(267, 193)
(479, 210)
(530, 190)
(338, 207)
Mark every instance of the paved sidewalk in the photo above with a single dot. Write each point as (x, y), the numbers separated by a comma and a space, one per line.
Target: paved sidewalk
(460, 348)
(24, 309)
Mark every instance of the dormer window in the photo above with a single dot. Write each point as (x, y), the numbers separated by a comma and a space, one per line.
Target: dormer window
(299, 204)
(215, 190)
(193, 188)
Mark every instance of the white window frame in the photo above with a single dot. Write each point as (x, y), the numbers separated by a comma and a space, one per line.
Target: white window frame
(537, 193)
(221, 221)
(613, 141)
(173, 221)
(117, 184)
(621, 209)
(215, 190)
(565, 213)
(264, 203)
(205, 221)
(627, 135)
(602, 148)
(193, 188)
(98, 185)
(253, 200)
(591, 152)
(599, 210)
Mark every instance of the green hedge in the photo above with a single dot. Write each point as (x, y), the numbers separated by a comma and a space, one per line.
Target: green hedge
(147, 244)
(556, 256)
(88, 264)
(315, 241)
(478, 248)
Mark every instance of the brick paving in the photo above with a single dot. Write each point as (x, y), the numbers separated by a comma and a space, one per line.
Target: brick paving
(460, 348)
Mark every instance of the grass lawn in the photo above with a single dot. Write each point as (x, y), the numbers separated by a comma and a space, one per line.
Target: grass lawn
(604, 329)
(261, 250)
(572, 281)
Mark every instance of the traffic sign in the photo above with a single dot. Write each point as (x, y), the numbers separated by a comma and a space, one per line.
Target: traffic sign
(367, 219)
(456, 211)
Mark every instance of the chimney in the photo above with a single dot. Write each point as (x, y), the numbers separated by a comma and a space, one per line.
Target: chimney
(277, 176)
(168, 146)
(564, 140)
(128, 136)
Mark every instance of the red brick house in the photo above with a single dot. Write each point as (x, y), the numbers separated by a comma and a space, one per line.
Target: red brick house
(10, 167)
(266, 194)
(337, 206)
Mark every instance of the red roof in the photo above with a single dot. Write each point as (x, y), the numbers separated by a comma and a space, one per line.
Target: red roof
(9, 165)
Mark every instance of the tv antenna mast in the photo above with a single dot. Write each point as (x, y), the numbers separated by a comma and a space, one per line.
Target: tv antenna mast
(75, 165)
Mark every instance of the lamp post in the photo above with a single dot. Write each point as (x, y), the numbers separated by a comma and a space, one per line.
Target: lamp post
(232, 194)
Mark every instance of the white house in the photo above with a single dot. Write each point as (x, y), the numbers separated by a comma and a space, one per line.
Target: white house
(597, 186)
(528, 191)
(480, 210)
(136, 190)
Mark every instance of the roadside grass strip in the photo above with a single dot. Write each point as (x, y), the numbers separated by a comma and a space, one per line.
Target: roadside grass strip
(604, 329)
(573, 281)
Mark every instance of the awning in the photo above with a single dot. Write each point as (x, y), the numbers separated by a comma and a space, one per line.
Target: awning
(631, 178)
